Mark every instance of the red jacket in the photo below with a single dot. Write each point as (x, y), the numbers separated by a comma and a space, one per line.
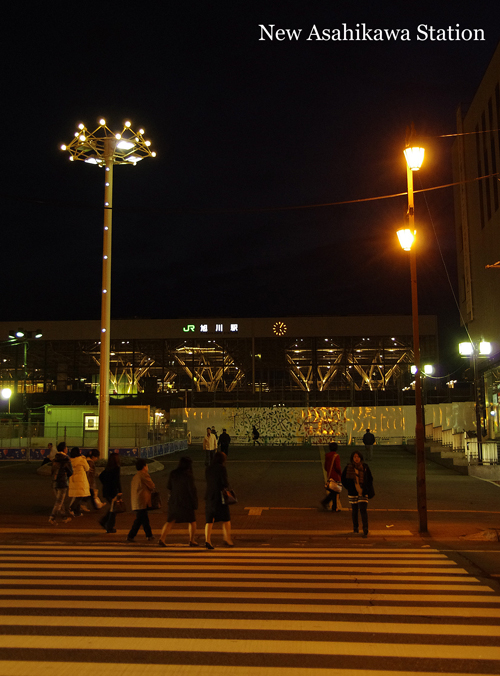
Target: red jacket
(332, 466)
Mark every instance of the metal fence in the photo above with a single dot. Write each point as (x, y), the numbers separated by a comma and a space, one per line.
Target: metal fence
(38, 435)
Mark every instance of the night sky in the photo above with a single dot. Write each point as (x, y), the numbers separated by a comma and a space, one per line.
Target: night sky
(244, 129)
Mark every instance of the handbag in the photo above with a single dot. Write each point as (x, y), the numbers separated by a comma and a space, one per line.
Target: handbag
(228, 496)
(155, 500)
(369, 490)
(333, 485)
(118, 506)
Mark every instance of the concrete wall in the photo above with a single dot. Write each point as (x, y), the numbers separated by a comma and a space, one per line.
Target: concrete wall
(315, 425)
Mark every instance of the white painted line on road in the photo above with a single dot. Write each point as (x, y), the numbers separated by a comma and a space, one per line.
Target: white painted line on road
(134, 582)
(263, 647)
(325, 596)
(315, 552)
(9, 668)
(208, 566)
(167, 571)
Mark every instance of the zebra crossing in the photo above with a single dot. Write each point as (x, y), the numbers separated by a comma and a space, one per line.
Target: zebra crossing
(74, 609)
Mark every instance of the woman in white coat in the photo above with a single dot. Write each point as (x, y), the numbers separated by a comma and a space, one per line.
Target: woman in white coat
(78, 483)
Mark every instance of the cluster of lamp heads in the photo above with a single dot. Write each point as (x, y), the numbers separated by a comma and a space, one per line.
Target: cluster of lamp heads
(96, 147)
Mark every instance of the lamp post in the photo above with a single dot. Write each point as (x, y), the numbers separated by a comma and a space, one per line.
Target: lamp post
(6, 394)
(105, 149)
(474, 351)
(414, 157)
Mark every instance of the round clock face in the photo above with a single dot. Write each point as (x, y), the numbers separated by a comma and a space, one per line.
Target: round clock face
(279, 329)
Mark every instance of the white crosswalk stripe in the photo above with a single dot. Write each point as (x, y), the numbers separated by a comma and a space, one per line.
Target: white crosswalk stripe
(70, 610)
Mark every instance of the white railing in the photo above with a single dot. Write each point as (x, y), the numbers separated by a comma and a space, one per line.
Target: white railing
(490, 451)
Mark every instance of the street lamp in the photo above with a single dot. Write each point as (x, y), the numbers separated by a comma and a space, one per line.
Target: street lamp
(475, 351)
(6, 394)
(106, 148)
(414, 155)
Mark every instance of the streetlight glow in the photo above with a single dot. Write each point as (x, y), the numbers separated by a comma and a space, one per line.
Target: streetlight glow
(406, 238)
(414, 157)
(465, 349)
(484, 348)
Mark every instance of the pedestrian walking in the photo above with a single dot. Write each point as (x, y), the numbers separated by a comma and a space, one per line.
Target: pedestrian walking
(140, 492)
(255, 435)
(358, 481)
(224, 441)
(333, 471)
(182, 502)
(216, 509)
(92, 458)
(78, 483)
(209, 446)
(111, 490)
(369, 440)
(61, 472)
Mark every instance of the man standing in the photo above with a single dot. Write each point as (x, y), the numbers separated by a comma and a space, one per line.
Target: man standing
(369, 440)
(140, 493)
(61, 471)
(209, 446)
(224, 441)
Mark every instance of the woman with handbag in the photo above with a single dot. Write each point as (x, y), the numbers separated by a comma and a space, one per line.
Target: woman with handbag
(183, 501)
(111, 490)
(217, 509)
(333, 474)
(358, 481)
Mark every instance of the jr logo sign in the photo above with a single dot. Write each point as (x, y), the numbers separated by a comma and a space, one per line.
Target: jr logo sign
(189, 327)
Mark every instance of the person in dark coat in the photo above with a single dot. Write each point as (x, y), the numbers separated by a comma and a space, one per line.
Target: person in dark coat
(224, 441)
(358, 481)
(61, 471)
(215, 509)
(183, 501)
(255, 435)
(111, 490)
(369, 440)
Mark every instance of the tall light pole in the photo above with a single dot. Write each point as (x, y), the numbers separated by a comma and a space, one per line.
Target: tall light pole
(106, 148)
(414, 157)
(474, 351)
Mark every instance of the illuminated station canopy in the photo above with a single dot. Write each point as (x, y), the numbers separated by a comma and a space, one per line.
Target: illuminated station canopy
(275, 357)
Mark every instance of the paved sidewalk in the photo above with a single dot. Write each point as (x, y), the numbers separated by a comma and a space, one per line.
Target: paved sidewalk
(279, 490)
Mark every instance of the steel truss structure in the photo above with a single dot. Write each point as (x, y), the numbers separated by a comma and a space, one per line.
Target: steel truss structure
(227, 365)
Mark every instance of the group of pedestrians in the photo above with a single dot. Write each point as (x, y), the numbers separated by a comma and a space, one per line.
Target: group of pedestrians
(212, 442)
(73, 476)
(183, 501)
(356, 478)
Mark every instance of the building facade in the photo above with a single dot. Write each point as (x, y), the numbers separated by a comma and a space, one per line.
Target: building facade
(476, 157)
(300, 361)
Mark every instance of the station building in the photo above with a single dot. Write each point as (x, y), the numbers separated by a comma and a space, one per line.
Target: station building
(476, 157)
(228, 361)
